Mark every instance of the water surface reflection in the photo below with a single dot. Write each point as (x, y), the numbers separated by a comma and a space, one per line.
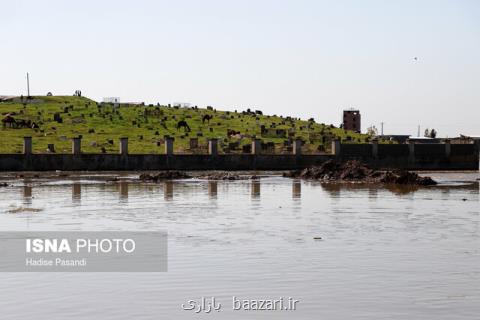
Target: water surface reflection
(296, 189)
(385, 251)
(76, 192)
(168, 190)
(27, 194)
(212, 189)
(255, 186)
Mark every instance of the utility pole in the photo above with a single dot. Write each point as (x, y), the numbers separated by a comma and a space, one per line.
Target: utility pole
(418, 133)
(28, 85)
(382, 126)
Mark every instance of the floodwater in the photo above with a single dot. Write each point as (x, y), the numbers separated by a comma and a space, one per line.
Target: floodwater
(385, 253)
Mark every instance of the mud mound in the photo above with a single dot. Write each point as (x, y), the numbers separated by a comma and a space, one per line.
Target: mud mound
(223, 175)
(406, 177)
(355, 171)
(164, 175)
(334, 171)
(24, 209)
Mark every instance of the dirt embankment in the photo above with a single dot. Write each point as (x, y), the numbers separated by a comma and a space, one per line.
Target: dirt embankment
(355, 171)
(164, 175)
(224, 175)
(174, 174)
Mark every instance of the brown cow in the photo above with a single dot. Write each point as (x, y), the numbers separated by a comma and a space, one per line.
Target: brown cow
(9, 121)
(183, 124)
(207, 117)
(231, 132)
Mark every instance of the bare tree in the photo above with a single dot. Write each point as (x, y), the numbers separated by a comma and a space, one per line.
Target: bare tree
(372, 131)
(430, 133)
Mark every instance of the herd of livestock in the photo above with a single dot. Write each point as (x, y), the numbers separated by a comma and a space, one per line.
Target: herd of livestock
(10, 121)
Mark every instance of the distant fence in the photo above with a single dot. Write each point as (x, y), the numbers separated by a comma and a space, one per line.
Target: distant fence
(443, 156)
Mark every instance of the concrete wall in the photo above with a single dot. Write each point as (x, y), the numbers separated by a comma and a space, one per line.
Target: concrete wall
(107, 162)
(413, 157)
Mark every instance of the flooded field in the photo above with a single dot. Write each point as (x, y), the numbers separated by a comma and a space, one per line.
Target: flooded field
(384, 252)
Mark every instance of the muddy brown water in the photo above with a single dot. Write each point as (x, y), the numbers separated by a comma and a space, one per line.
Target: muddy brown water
(386, 252)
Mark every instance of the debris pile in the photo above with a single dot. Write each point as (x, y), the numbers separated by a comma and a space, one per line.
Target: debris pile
(355, 171)
(224, 175)
(24, 209)
(164, 175)
(406, 177)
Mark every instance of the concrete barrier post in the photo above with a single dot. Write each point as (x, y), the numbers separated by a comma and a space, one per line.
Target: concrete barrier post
(168, 145)
(411, 151)
(448, 148)
(124, 146)
(336, 147)
(77, 145)
(213, 147)
(375, 148)
(297, 147)
(27, 145)
(193, 143)
(256, 146)
(477, 152)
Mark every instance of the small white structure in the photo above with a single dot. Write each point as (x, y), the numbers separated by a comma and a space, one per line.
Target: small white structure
(181, 104)
(6, 98)
(111, 100)
(114, 100)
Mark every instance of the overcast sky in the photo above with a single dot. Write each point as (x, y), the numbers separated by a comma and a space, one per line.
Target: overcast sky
(299, 58)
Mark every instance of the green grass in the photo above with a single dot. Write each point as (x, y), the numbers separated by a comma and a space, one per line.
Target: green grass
(111, 124)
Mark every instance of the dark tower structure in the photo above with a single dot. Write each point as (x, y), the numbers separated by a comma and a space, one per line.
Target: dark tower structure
(352, 120)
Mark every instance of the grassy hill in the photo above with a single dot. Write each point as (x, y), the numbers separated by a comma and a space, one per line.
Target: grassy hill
(146, 125)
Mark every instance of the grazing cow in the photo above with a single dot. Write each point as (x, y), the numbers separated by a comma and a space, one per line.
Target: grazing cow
(231, 132)
(24, 123)
(207, 117)
(9, 121)
(183, 124)
(20, 123)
